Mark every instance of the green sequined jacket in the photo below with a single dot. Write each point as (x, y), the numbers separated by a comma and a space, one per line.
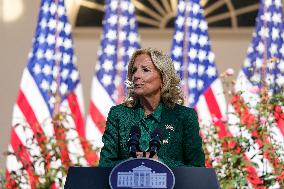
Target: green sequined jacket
(181, 143)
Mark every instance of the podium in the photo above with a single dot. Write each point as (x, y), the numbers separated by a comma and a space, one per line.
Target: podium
(98, 178)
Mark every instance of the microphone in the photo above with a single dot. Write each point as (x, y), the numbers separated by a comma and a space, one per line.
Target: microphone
(133, 141)
(155, 142)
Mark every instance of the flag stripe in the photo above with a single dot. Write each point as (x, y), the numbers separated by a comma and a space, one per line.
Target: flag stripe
(23, 156)
(99, 95)
(280, 124)
(218, 93)
(91, 155)
(75, 143)
(279, 117)
(29, 88)
(31, 118)
(93, 134)
(77, 115)
(97, 118)
(10, 179)
(215, 111)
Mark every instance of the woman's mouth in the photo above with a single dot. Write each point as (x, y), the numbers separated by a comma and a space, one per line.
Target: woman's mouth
(138, 85)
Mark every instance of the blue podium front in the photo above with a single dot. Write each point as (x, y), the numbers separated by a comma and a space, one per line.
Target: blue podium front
(139, 173)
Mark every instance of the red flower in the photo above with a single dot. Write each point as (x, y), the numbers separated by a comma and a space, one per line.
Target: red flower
(277, 109)
(280, 177)
(277, 116)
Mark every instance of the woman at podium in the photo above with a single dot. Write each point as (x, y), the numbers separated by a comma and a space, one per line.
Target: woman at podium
(153, 105)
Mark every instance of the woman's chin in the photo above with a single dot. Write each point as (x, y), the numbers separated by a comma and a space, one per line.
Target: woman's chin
(138, 93)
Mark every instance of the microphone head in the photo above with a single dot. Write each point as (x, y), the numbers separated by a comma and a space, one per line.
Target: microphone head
(155, 142)
(135, 130)
(156, 133)
(133, 141)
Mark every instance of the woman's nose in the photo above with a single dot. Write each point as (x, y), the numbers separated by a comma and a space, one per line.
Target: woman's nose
(137, 75)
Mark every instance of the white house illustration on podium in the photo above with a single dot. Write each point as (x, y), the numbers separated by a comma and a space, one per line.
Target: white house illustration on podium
(141, 177)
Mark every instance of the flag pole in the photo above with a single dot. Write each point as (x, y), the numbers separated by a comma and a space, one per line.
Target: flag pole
(57, 118)
(119, 89)
(185, 53)
(264, 57)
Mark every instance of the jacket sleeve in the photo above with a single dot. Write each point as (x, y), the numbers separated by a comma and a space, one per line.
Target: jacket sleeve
(192, 142)
(109, 155)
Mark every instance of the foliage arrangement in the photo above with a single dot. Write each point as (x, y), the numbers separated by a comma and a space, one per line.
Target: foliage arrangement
(49, 162)
(226, 153)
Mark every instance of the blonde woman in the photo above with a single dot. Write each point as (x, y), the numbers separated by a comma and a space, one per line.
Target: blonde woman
(154, 100)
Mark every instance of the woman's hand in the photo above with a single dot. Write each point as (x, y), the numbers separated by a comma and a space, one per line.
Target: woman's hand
(147, 154)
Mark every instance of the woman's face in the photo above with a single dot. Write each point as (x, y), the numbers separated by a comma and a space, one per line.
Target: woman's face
(146, 77)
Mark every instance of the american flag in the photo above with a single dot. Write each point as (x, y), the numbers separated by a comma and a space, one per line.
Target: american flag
(262, 68)
(50, 87)
(119, 40)
(194, 61)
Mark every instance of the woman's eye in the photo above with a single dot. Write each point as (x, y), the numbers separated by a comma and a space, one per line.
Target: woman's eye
(133, 70)
(146, 70)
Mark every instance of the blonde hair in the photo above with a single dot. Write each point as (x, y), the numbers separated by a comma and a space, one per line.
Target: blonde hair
(171, 92)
